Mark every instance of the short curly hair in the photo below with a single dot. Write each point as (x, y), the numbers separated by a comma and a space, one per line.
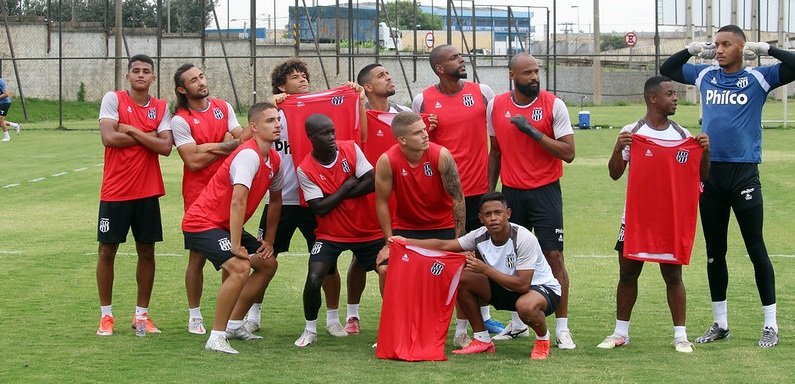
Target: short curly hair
(280, 73)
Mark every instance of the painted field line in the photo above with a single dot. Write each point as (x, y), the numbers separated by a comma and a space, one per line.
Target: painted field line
(11, 185)
(59, 174)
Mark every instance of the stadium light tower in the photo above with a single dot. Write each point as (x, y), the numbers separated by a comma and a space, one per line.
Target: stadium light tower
(578, 17)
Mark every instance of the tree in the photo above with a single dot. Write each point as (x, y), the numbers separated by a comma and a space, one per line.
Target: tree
(611, 42)
(402, 14)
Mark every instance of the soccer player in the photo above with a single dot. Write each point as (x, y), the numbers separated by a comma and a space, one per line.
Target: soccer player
(213, 225)
(378, 87)
(506, 268)
(205, 133)
(336, 179)
(135, 130)
(5, 104)
(531, 125)
(460, 109)
(660, 97)
(732, 97)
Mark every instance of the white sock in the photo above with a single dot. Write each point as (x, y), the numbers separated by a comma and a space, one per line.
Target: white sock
(622, 328)
(332, 316)
(5, 134)
(216, 334)
(680, 332)
(311, 326)
(254, 313)
(483, 336)
(770, 316)
(720, 312)
(485, 312)
(141, 311)
(545, 337)
(234, 324)
(13, 124)
(195, 313)
(353, 311)
(106, 310)
(460, 326)
(517, 321)
(561, 324)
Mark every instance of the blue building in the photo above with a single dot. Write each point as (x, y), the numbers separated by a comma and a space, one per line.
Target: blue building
(488, 19)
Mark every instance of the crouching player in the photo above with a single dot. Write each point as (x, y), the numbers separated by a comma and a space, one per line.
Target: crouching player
(506, 269)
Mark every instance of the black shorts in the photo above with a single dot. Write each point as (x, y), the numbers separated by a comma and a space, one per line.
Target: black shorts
(4, 109)
(444, 234)
(327, 252)
(539, 210)
(735, 185)
(503, 299)
(620, 241)
(215, 245)
(292, 217)
(473, 209)
(117, 217)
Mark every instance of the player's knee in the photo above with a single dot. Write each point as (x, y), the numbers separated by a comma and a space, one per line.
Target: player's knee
(269, 265)
(237, 268)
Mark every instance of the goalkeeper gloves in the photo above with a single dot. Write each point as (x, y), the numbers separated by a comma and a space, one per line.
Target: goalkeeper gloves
(703, 50)
(753, 49)
(520, 121)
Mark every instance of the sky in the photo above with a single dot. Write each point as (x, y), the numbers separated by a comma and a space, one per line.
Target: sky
(616, 15)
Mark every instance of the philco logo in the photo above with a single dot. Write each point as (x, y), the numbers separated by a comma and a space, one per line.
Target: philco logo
(427, 168)
(437, 268)
(151, 114)
(337, 100)
(469, 100)
(682, 155)
(725, 98)
(537, 115)
(225, 244)
(218, 114)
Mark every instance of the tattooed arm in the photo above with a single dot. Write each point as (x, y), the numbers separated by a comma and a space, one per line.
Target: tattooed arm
(452, 184)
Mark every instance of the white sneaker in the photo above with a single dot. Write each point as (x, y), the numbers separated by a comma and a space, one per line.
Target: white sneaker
(614, 340)
(461, 341)
(682, 345)
(306, 338)
(18, 127)
(336, 329)
(241, 334)
(196, 326)
(220, 344)
(251, 326)
(6, 138)
(511, 332)
(564, 341)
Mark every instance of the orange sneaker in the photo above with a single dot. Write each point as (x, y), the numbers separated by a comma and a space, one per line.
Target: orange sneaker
(150, 328)
(540, 350)
(106, 325)
(352, 327)
(476, 346)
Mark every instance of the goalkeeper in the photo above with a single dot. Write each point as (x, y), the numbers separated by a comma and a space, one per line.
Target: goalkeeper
(732, 97)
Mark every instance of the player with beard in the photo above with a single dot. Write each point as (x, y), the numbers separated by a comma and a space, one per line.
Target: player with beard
(460, 108)
(532, 126)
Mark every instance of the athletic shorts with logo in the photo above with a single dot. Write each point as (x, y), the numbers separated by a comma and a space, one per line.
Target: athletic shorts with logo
(327, 252)
(215, 244)
(503, 299)
(117, 217)
(539, 210)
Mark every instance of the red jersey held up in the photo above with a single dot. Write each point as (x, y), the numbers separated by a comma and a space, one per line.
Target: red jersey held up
(462, 130)
(525, 163)
(663, 187)
(211, 208)
(340, 104)
(419, 297)
(353, 220)
(133, 172)
(422, 201)
(208, 126)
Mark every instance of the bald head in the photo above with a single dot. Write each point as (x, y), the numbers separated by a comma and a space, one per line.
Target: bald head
(438, 55)
(520, 59)
(316, 122)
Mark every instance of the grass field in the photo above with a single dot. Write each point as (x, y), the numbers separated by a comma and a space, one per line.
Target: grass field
(49, 308)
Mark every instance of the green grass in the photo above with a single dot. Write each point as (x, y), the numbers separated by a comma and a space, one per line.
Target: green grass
(49, 308)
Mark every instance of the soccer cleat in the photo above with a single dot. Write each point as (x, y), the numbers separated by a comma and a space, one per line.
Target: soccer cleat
(476, 346)
(18, 127)
(769, 338)
(511, 332)
(306, 338)
(682, 345)
(461, 341)
(614, 340)
(563, 340)
(540, 350)
(336, 329)
(251, 326)
(220, 344)
(241, 334)
(714, 332)
(196, 326)
(106, 325)
(494, 326)
(352, 327)
(6, 138)
(150, 327)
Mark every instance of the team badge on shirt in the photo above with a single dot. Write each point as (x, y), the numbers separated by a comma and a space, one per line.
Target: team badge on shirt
(218, 114)
(427, 168)
(225, 244)
(337, 100)
(345, 166)
(437, 268)
(537, 115)
(742, 82)
(104, 225)
(469, 100)
(151, 113)
(682, 155)
(510, 261)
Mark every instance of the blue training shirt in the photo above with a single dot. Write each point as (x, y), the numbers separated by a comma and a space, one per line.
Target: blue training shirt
(5, 100)
(732, 108)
